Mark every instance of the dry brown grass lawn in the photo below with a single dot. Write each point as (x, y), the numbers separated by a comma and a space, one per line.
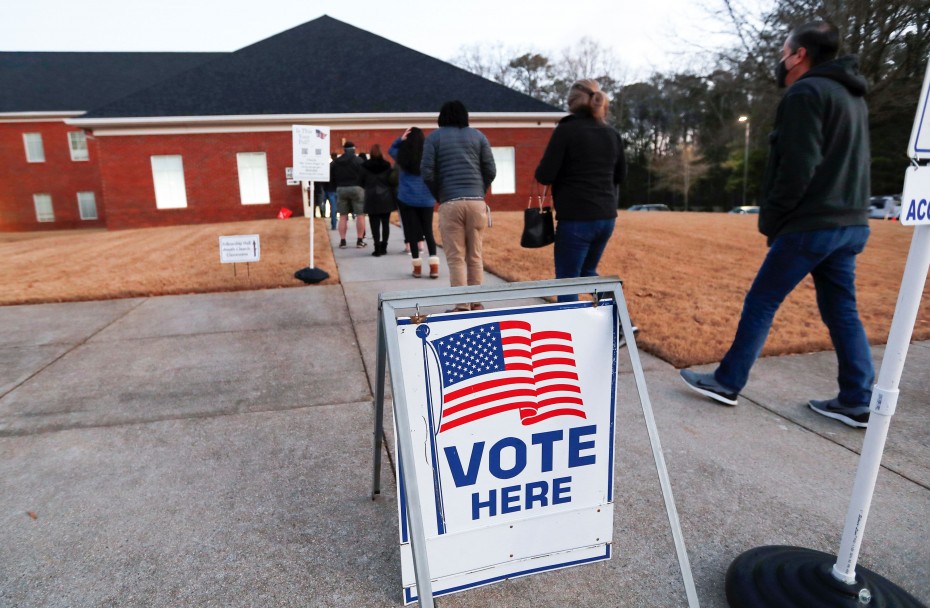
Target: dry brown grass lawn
(100, 264)
(685, 276)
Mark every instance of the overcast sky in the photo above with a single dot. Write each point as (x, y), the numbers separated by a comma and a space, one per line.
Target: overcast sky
(656, 34)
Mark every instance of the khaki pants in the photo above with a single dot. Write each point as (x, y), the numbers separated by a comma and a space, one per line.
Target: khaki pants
(460, 225)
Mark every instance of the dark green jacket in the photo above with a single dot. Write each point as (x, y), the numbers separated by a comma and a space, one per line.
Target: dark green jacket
(818, 168)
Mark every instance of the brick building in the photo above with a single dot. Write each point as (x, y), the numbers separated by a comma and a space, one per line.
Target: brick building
(161, 139)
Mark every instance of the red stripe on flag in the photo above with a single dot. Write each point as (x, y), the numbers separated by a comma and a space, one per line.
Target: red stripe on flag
(554, 361)
(552, 348)
(482, 386)
(498, 396)
(559, 401)
(571, 388)
(484, 414)
(552, 414)
(560, 375)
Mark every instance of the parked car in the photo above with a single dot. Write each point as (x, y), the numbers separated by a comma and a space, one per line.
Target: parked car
(651, 207)
(745, 209)
(886, 207)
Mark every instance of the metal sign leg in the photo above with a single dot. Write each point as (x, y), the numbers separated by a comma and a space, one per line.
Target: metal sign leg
(379, 408)
(672, 512)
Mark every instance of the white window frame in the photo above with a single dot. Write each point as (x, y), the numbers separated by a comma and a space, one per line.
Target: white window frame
(82, 199)
(253, 178)
(77, 144)
(43, 215)
(168, 180)
(505, 158)
(35, 150)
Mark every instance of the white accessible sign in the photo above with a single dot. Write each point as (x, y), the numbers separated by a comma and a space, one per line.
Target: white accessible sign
(311, 153)
(513, 412)
(240, 248)
(915, 201)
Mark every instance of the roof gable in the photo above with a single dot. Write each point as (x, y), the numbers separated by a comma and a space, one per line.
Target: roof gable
(324, 66)
(64, 82)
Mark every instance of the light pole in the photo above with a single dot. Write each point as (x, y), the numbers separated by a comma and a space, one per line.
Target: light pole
(745, 119)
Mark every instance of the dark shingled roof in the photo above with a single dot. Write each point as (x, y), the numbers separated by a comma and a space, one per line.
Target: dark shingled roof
(324, 66)
(58, 82)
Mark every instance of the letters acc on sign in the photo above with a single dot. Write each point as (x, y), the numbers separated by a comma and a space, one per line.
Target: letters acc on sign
(513, 430)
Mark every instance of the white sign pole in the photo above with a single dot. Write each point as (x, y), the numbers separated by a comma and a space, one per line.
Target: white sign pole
(885, 393)
(884, 399)
(309, 204)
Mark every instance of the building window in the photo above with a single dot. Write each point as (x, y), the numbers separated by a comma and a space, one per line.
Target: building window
(87, 205)
(77, 141)
(168, 175)
(44, 211)
(506, 180)
(253, 178)
(35, 153)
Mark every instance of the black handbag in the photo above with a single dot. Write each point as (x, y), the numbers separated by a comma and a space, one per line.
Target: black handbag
(538, 226)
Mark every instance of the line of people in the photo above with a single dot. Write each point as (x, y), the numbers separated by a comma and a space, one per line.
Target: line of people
(814, 206)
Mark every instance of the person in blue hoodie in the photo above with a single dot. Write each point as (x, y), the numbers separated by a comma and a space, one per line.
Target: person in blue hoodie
(415, 201)
(814, 211)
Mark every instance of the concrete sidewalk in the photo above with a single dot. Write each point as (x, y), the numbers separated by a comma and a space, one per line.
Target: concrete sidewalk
(215, 450)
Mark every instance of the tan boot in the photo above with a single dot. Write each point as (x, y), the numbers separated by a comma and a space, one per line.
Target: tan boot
(417, 267)
(433, 267)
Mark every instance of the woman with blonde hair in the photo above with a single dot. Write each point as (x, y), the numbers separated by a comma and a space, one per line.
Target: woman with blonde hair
(584, 163)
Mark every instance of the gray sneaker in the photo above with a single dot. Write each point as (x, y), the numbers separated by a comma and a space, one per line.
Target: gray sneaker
(856, 416)
(708, 386)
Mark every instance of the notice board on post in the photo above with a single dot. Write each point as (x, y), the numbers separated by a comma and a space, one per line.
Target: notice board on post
(511, 416)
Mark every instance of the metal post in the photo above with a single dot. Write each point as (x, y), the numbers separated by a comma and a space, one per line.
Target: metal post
(671, 511)
(746, 162)
(406, 454)
(884, 400)
(379, 407)
(312, 221)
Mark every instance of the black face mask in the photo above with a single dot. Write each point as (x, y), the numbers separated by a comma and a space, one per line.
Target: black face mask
(781, 73)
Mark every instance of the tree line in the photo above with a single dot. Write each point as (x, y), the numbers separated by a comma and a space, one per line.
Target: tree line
(686, 143)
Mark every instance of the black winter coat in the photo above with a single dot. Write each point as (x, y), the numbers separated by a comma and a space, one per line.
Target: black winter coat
(585, 163)
(376, 179)
(818, 169)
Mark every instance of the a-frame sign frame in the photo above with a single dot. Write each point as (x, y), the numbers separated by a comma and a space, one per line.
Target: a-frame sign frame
(412, 303)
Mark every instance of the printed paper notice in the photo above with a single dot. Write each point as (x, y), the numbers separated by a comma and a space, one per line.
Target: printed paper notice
(240, 248)
(311, 153)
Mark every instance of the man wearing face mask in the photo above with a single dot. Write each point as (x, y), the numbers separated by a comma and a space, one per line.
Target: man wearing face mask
(814, 211)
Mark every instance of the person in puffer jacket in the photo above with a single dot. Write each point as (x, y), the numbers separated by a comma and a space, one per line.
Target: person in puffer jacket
(458, 169)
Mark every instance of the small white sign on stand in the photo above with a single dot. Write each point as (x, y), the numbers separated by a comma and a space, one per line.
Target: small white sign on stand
(311, 153)
(311, 164)
(240, 248)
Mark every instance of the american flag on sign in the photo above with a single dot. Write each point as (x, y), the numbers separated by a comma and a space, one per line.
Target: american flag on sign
(506, 366)
(320, 134)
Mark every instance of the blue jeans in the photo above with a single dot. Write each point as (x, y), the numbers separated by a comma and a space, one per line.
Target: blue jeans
(331, 197)
(829, 256)
(579, 245)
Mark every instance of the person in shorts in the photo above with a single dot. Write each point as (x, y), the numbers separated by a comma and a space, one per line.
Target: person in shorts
(346, 174)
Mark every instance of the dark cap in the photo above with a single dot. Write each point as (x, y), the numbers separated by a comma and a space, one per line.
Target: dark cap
(348, 145)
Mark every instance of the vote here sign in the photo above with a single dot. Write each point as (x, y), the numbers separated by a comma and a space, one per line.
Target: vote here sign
(512, 423)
